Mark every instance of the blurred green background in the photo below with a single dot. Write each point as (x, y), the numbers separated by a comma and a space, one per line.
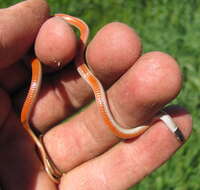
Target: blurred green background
(172, 26)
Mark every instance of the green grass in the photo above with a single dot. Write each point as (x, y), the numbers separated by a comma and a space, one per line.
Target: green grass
(172, 26)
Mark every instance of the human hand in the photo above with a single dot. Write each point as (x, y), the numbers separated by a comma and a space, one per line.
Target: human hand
(89, 154)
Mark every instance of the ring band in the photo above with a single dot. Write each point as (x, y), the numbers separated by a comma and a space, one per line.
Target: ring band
(168, 120)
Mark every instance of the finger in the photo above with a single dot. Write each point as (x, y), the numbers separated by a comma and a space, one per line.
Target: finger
(19, 26)
(56, 43)
(109, 50)
(134, 99)
(129, 162)
(68, 91)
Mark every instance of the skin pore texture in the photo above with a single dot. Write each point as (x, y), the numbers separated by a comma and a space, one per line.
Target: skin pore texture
(83, 147)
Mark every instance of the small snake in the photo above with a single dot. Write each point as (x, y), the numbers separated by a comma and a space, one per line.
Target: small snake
(100, 96)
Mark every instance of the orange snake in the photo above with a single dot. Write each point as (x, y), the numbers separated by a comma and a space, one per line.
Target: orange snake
(100, 97)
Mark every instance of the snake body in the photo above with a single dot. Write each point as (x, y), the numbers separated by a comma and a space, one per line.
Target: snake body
(100, 96)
